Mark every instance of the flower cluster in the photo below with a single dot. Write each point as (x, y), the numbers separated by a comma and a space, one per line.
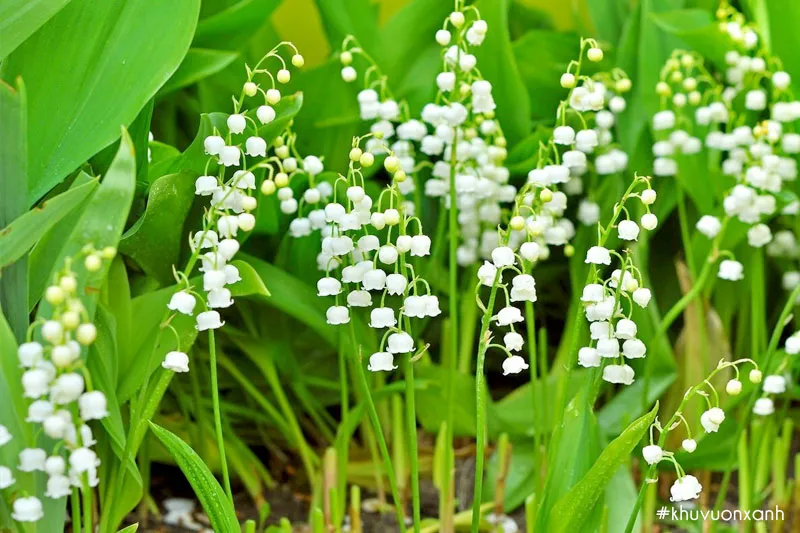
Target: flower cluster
(581, 146)
(687, 487)
(57, 384)
(231, 191)
(458, 133)
(776, 384)
(609, 300)
(747, 118)
(368, 250)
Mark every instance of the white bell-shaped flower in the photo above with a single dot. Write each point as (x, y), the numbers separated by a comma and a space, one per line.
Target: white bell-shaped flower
(731, 270)
(39, 410)
(396, 284)
(597, 255)
(514, 365)
(487, 273)
(622, 374)
(382, 317)
(400, 343)
(625, 329)
(420, 245)
(712, 419)
(641, 296)
(523, 288)
(83, 460)
(381, 362)
(690, 445)
(32, 460)
(633, 349)
(652, 454)
(29, 354)
(337, 314)
(27, 509)
(503, 256)
(213, 144)
(93, 405)
(685, 488)
(67, 388)
(328, 286)
(236, 123)
(176, 361)
(774, 384)
(513, 341)
(6, 477)
(255, 147)
(219, 299)
(588, 357)
(265, 114)
(208, 320)
(183, 302)
(359, 298)
(230, 156)
(628, 230)
(508, 315)
(764, 407)
(58, 486)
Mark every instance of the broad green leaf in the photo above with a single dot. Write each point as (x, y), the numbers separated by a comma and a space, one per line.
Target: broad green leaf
(553, 51)
(44, 255)
(234, 25)
(215, 503)
(698, 29)
(81, 89)
(497, 64)
(13, 201)
(574, 507)
(575, 446)
(199, 63)
(409, 35)
(21, 235)
(341, 18)
(778, 21)
(100, 224)
(154, 241)
(294, 297)
(133, 528)
(20, 18)
(608, 17)
(153, 341)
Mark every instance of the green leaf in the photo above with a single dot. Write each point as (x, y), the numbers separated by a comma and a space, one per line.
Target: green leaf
(574, 507)
(497, 64)
(294, 297)
(251, 283)
(20, 18)
(81, 89)
(22, 234)
(13, 201)
(133, 528)
(698, 29)
(199, 63)
(212, 498)
(778, 21)
(154, 241)
(100, 224)
(553, 51)
(341, 18)
(235, 25)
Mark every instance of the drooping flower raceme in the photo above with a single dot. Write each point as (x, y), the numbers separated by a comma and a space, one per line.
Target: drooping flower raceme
(238, 155)
(609, 300)
(368, 255)
(687, 487)
(60, 400)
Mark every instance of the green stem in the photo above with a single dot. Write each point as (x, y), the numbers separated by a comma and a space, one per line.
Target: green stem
(754, 395)
(376, 424)
(411, 421)
(88, 515)
(223, 463)
(76, 509)
(452, 298)
(480, 401)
